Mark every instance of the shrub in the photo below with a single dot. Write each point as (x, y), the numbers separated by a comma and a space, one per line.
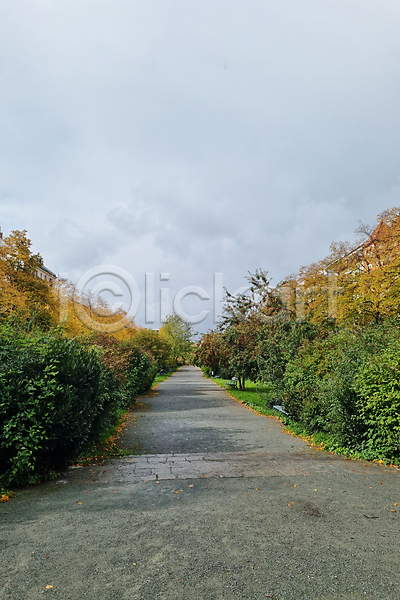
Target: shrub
(56, 399)
(345, 385)
(140, 374)
(279, 342)
(133, 367)
(378, 387)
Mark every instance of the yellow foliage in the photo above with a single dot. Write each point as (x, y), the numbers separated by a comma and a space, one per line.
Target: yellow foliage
(354, 285)
(21, 290)
(80, 317)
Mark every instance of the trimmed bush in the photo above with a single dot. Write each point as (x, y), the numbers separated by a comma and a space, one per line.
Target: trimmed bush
(378, 387)
(57, 398)
(133, 367)
(348, 385)
(140, 373)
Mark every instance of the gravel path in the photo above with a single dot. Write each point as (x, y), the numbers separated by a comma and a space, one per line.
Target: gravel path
(220, 504)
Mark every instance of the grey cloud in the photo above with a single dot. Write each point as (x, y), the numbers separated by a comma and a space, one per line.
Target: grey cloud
(197, 137)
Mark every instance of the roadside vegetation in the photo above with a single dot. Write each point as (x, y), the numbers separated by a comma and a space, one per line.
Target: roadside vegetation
(330, 353)
(64, 388)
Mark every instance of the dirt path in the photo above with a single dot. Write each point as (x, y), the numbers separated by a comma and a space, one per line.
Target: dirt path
(220, 504)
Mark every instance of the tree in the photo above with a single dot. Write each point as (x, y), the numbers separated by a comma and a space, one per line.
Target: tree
(355, 285)
(243, 317)
(11, 300)
(241, 350)
(260, 302)
(369, 276)
(82, 314)
(21, 288)
(179, 333)
(211, 351)
(157, 345)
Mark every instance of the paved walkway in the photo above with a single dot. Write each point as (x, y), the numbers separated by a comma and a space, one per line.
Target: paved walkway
(220, 504)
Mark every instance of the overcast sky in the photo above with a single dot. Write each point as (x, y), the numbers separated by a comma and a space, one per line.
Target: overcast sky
(194, 137)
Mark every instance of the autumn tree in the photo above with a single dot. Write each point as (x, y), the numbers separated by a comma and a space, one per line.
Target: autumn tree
(211, 352)
(159, 346)
(368, 277)
(11, 299)
(241, 350)
(82, 314)
(20, 287)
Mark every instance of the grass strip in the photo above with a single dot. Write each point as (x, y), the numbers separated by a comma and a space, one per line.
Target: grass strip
(160, 377)
(255, 396)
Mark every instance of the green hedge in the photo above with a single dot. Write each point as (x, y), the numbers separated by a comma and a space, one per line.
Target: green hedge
(140, 374)
(377, 385)
(57, 397)
(347, 384)
(133, 367)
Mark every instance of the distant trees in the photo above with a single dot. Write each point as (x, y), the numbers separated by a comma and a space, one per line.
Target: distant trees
(211, 353)
(178, 333)
(159, 346)
(81, 314)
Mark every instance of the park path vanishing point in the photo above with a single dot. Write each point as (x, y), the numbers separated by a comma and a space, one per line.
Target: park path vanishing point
(191, 428)
(219, 504)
